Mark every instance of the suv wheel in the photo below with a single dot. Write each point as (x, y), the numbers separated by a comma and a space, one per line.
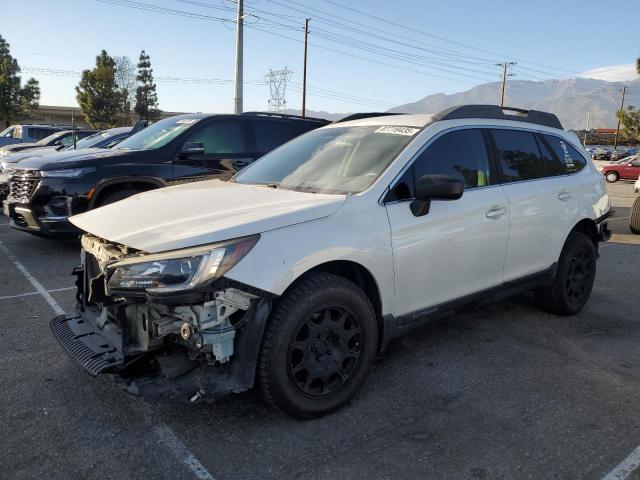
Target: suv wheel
(634, 217)
(612, 177)
(574, 279)
(318, 346)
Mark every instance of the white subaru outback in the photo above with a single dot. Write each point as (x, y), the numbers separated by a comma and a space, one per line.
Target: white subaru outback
(293, 275)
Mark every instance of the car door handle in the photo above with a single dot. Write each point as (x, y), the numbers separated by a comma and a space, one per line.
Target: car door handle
(564, 195)
(496, 212)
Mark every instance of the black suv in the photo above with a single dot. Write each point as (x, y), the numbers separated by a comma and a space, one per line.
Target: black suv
(43, 194)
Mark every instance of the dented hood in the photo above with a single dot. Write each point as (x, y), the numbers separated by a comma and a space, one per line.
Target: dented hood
(202, 212)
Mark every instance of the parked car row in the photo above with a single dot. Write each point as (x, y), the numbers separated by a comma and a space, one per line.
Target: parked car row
(305, 247)
(626, 169)
(46, 190)
(609, 154)
(9, 161)
(28, 133)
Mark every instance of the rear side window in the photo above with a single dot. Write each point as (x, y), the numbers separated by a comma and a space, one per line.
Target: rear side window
(40, 133)
(568, 156)
(221, 136)
(518, 156)
(272, 134)
(461, 154)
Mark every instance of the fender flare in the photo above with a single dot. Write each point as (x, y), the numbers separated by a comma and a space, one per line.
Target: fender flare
(103, 184)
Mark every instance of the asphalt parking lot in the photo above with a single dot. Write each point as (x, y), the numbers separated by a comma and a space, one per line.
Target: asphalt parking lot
(503, 392)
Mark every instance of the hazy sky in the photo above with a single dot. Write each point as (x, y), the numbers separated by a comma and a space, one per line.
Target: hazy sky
(356, 62)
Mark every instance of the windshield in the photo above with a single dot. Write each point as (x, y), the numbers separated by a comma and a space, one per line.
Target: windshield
(331, 160)
(92, 140)
(158, 134)
(50, 138)
(8, 132)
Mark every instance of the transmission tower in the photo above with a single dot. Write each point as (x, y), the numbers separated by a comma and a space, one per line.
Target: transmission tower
(277, 80)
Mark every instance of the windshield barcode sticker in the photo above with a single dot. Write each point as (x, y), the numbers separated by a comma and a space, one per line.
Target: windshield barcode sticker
(408, 131)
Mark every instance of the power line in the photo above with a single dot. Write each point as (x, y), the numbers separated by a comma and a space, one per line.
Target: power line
(405, 27)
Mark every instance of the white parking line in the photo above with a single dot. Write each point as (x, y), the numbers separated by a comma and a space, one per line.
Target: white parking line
(37, 285)
(172, 443)
(28, 294)
(165, 435)
(629, 466)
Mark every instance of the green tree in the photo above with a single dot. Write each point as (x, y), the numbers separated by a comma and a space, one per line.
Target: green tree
(630, 119)
(98, 94)
(16, 100)
(127, 83)
(146, 96)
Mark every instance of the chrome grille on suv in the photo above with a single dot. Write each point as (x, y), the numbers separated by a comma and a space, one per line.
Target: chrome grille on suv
(23, 184)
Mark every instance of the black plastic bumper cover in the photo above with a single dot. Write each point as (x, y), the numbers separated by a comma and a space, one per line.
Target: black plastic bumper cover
(90, 349)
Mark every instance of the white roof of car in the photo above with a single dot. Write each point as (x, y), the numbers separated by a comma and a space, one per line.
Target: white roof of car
(419, 120)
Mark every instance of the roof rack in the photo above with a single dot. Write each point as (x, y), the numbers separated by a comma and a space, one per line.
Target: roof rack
(286, 115)
(358, 116)
(499, 113)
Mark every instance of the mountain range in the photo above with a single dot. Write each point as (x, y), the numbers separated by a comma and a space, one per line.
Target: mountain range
(570, 99)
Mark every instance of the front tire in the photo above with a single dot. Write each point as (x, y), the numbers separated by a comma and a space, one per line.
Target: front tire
(612, 177)
(318, 346)
(574, 279)
(634, 217)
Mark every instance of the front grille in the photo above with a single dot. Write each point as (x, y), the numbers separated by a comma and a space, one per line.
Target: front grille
(23, 184)
(4, 191)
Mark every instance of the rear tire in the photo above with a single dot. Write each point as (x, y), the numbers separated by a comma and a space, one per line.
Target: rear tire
(574, 279)
(612, 177)
(634, 217)
(318, 346)
(116, 196)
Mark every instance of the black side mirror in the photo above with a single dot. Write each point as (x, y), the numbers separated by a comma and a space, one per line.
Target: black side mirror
(435, 187)
(192, 148)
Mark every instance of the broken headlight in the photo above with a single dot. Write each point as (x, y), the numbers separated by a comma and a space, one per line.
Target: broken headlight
(179, 269)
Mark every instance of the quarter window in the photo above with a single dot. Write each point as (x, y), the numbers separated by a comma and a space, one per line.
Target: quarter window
(461, 154)
(519, 156)
(271, 134)
(569, 157)
(220, 137)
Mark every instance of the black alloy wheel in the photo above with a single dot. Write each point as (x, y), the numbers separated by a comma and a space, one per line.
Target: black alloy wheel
(580, 276)
(324, 351)
(318, 346)
(575, 275)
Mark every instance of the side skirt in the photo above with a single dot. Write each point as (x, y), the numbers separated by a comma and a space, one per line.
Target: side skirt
(397, 326)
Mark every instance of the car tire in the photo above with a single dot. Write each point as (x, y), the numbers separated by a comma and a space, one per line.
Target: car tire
(318, 347)
(574, 278)
(634, 217)
(612, 177)
(116, 196)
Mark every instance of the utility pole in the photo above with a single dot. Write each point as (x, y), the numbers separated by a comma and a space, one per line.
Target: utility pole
(586, 132)
(237, 101)
(304, 71)
(73, 128)
(505, 66)
(615, 141)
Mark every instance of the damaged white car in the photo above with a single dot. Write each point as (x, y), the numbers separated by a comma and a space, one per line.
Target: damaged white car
(292, 276)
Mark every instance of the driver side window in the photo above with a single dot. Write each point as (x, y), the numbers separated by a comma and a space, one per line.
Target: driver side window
(220, 137)
(461, 154)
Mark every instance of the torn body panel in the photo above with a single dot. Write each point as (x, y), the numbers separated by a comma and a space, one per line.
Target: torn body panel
(162, 347)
